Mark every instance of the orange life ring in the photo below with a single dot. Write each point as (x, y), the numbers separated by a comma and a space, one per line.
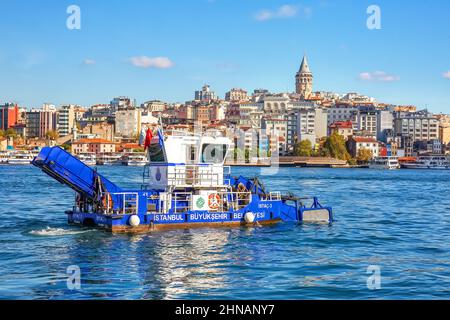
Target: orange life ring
(214, 201)
(107, 199)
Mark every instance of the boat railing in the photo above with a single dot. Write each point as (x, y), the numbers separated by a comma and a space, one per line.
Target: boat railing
(128, 204)
(194, 175)
(183, 201)
(272, 196)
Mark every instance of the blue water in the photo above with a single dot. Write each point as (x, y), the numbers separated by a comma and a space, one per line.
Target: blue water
(398, 221)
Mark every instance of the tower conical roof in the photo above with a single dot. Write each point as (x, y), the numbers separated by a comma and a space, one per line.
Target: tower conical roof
(304, 68)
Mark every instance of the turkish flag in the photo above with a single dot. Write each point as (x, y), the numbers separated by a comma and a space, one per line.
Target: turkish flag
(148, 139)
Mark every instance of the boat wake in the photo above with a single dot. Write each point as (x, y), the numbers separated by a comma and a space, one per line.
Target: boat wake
(53, 232)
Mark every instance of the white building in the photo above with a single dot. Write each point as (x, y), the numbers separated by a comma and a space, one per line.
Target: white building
(306, 124)
(66, 120)
(128, 122)
(341, 112)
(236, 94)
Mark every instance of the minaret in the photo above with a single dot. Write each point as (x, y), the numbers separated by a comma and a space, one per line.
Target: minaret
(304, 80)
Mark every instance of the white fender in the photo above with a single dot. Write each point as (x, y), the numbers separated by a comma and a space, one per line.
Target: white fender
(249, 217)
(134, 221)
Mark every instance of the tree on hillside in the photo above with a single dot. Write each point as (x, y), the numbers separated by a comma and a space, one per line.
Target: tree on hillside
(10, 133)
(334, 147)
(364, 156)
(303, 148)
(52, 135)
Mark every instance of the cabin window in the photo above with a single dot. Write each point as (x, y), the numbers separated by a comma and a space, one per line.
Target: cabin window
(213, 153)
(156, 153)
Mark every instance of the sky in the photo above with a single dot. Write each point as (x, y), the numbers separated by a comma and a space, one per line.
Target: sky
(167, 49)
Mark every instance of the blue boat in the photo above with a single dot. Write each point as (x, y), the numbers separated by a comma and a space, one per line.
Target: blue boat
(185, 185)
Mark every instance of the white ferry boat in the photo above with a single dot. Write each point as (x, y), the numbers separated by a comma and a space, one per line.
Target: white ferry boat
(21, 158)
(109, 159)
(89, 159)
(4, 157)
(384, 163)
(429, 162)
(135, 160)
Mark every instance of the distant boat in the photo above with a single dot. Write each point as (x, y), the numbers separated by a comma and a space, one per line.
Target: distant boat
(88, 159)
(429, 162)
(4, 157)
(109, 159)
(21, 158)
(135, 160)
(384, 163)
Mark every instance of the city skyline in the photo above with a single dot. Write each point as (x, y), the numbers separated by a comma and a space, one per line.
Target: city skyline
(153, 52)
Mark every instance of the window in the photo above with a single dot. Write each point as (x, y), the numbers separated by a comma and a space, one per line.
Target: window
(213, 153)
(156, 153)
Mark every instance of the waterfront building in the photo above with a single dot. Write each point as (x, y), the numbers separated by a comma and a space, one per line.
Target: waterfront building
(444, 128)
(366, 121)
(276, 129)
(341, 112)
(343, 128)
(66, 120)
(128, 122)
(385, 124)
(102, 130)
(21, 130)
(205, 94)
(9, 116)
(236, 95)
(307, 123)
(355, 144)
(96, 146)
(41, 121)
(304, 80)
(415, 126)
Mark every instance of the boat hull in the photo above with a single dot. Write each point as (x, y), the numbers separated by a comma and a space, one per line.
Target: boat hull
(170, 221)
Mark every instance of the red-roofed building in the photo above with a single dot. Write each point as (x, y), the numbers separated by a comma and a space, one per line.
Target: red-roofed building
(96, 146)
(354, 144)
(344, 128)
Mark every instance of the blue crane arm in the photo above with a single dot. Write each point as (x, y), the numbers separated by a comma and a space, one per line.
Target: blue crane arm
(68, 170)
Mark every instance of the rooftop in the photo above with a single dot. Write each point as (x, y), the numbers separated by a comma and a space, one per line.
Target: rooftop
(93, 141)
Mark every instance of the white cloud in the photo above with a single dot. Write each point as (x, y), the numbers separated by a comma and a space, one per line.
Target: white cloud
(89, 61)
(151, 62)
(285, 11)
(378, 76)
(446, 75)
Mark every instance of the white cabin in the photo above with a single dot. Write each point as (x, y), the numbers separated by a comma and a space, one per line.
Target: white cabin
(185, 160)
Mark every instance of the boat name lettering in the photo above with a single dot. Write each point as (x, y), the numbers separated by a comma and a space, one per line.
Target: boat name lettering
(240, 215)
(265, 206)
(208, 216)
(169, 217)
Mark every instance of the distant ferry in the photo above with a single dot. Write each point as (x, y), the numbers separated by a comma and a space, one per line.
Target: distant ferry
(21, 158)
(89, 159)
(109, 160)
(384, 163)
(135, 160)
(429, 162)
(4, 157)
